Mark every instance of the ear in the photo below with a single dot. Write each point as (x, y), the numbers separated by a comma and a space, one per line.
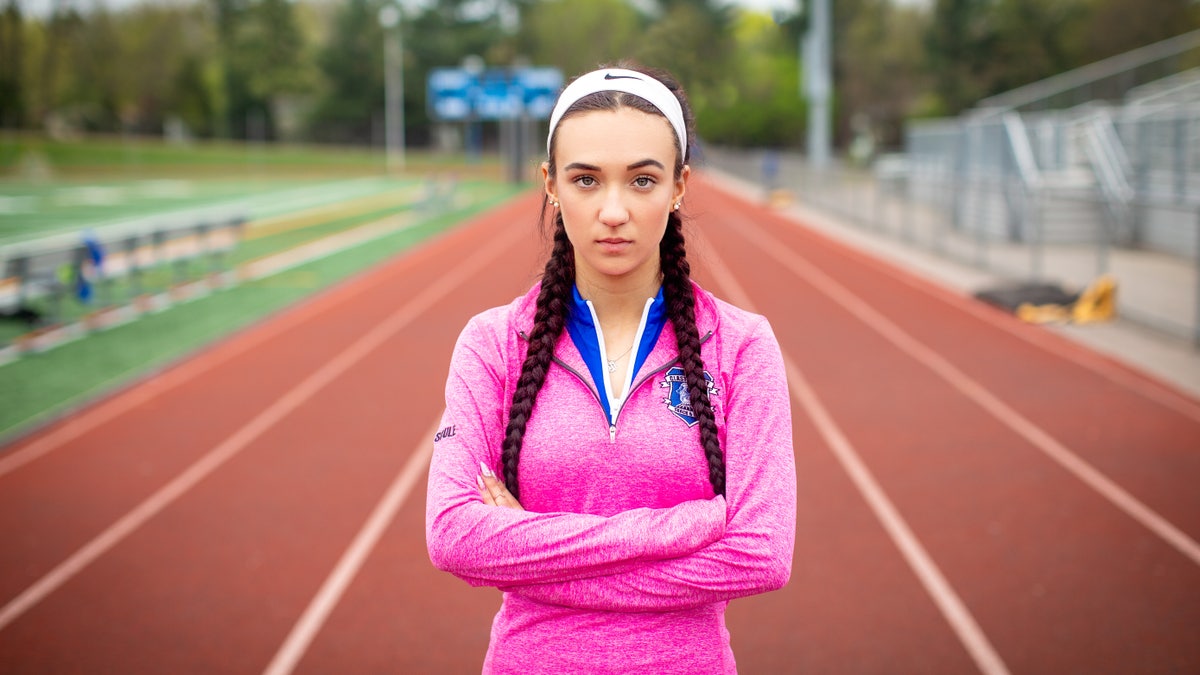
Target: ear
(548, 182)
(681, 184)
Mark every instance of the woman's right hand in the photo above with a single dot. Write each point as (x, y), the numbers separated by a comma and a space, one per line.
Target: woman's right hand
(493, 490)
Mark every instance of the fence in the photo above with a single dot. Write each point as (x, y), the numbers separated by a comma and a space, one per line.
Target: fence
(934, 212)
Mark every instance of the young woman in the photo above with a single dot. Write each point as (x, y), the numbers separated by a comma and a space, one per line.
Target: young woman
(619, 455)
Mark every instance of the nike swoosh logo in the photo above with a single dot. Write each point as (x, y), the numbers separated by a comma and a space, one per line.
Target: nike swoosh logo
(610, 76)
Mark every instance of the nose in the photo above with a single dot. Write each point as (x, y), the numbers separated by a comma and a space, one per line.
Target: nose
(613, 211)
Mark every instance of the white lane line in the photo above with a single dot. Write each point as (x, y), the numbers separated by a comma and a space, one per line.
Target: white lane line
(327, 598)
(282, 407)
(939, 589)
(973, 390)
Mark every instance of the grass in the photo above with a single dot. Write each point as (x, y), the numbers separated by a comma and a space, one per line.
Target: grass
(28, 155)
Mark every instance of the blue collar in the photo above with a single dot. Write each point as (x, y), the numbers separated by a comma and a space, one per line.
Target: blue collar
(585, 334)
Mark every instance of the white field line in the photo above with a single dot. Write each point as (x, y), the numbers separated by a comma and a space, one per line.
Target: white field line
(330, 593)
(975, 391)
(255, 270)
(282, 407)
(266, 203)
(324, 247)
(939, 589)
(291, 199)
(403, 195)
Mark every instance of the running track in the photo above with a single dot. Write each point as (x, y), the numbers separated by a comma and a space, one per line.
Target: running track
(975, 495)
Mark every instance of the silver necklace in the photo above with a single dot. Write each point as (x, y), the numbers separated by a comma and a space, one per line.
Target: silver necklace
(612, 363)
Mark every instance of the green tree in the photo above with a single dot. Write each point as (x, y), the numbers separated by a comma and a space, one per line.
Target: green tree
(93, 97)
(959, 44)
(265, 59)
(577, 35)
(1029, 42)
(351, 64)
(1129, 24)
(58, 34)
(684, 34)
(757, 102)
(881, 73)
(12, 51)
(166, 51)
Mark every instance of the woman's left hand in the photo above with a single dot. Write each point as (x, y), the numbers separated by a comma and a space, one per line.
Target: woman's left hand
(494, 492)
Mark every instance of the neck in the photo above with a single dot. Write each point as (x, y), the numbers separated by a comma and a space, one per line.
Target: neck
(619, 302)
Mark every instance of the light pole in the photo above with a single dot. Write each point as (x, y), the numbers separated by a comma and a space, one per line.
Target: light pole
(393, 86)
(818, 86)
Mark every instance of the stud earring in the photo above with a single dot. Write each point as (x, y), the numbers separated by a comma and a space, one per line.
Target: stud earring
(554, 203)
(677, 205)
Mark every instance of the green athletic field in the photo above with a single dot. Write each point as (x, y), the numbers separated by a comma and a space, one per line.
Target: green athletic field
(307, 196)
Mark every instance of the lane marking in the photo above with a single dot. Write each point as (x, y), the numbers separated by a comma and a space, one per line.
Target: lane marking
(1155, 390)
(226, 349)
(351, 562)
(976, 392)
(939, 589)
(262, 422)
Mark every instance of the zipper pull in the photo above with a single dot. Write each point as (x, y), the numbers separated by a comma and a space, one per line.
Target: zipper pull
(612, 433)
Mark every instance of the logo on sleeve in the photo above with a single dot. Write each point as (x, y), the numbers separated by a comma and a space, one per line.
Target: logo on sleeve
(444, 433)
(679, 399)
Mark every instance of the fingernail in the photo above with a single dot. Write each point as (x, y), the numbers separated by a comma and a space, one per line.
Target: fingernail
(479, 481)
(486, 471)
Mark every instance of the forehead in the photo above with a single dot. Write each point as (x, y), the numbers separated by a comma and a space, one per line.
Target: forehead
(622, 135)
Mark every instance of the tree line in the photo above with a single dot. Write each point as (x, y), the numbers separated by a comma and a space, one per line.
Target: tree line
(312, 70)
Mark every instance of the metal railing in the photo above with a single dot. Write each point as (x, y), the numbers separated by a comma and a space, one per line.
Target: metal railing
(1110, 164)
(1159, 290)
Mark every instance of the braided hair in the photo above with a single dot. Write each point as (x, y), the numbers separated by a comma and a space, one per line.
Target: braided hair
(554, 301)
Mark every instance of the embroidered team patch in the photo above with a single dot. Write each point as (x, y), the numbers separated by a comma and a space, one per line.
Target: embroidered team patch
(679, 400)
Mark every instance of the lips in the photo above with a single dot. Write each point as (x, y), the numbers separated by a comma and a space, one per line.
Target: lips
(613, 244)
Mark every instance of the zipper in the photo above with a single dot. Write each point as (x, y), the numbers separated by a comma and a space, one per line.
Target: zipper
(569, 369)
(612, 427)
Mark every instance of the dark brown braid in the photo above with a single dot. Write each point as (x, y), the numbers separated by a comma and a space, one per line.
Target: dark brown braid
(554, 300)
(681, 309)
(548, 323)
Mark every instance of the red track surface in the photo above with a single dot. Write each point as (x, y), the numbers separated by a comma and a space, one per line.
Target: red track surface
(301, 424)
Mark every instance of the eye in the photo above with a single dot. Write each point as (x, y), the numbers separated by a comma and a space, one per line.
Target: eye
(585, 181)
(644, 181)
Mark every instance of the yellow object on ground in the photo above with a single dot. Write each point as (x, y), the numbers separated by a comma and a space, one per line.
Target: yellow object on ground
(780, 199)
(1031, 313)
(1098, 302)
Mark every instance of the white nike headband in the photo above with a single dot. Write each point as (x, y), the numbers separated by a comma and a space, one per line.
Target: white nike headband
(629, 82)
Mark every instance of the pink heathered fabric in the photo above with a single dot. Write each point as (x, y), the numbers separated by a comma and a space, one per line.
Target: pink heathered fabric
(624, 560)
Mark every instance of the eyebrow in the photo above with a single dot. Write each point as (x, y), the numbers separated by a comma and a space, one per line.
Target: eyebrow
(646, 162)
(636, 165)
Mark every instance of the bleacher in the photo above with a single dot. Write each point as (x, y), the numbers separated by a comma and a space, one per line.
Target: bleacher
(48, 282)
(1107, 154)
